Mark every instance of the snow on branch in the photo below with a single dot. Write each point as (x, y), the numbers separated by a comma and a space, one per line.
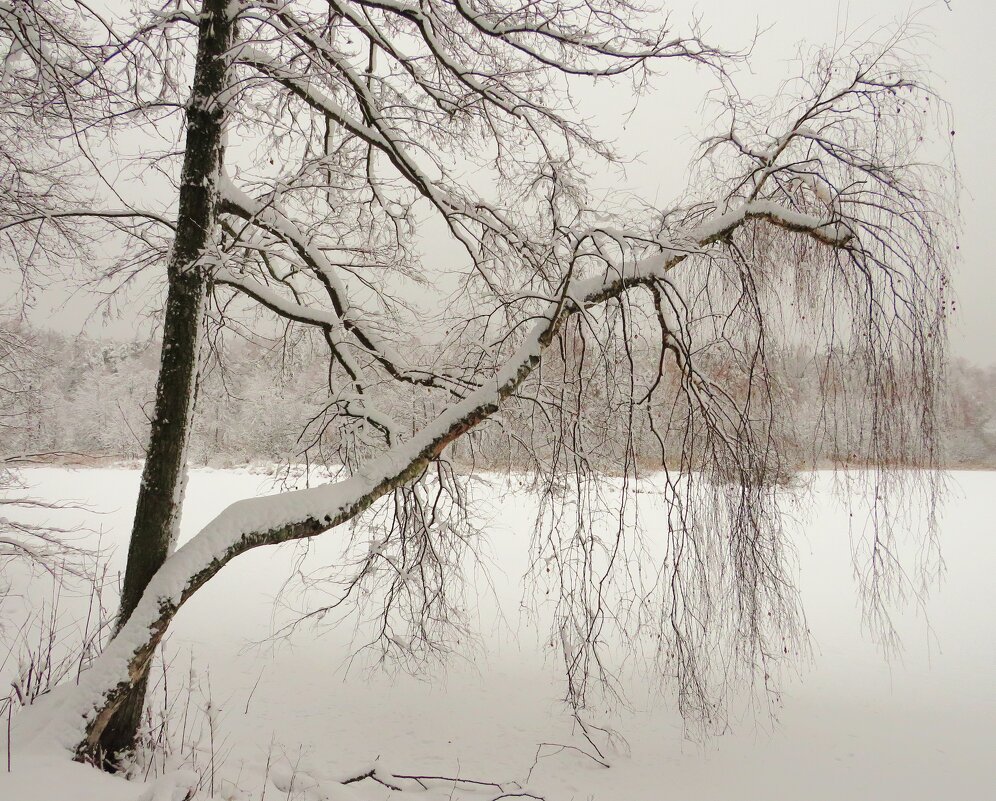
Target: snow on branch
(581, 42)
(336, 323)
(377, 136)
(112, 216)
(828, 231)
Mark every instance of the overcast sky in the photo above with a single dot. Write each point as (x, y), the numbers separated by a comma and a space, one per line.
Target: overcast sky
(661, 132)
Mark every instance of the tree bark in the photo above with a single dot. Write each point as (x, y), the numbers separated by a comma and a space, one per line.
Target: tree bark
(160, 496)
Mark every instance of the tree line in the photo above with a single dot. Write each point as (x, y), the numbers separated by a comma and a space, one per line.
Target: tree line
(75, 398)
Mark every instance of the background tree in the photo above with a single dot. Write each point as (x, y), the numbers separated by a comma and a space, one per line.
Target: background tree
(319, 139)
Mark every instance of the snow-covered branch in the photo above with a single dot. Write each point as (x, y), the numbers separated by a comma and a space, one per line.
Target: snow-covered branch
(109, 215)
(342, 319)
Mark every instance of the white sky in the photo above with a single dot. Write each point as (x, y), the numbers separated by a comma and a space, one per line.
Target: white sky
(661, 132)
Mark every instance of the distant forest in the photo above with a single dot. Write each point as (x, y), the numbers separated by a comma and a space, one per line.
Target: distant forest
(73, 398)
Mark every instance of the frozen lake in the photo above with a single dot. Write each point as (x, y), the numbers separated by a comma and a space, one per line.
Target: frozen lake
(850, 726)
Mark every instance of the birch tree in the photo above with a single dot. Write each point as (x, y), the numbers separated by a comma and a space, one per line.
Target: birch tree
(319, 139)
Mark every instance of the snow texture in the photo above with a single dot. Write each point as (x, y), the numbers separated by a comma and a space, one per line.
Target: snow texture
(853, 727)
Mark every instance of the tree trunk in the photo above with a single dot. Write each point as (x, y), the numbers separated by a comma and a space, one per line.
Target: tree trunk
(160, 495)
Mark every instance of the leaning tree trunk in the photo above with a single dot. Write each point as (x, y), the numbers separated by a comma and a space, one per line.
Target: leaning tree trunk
(160, 495)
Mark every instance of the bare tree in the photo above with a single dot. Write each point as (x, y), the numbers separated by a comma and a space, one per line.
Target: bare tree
(320, 138)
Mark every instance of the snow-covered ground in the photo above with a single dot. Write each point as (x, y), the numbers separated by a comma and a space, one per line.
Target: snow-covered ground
(850, 726)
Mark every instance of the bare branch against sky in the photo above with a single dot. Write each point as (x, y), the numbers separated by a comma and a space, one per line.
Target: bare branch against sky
(657, 137)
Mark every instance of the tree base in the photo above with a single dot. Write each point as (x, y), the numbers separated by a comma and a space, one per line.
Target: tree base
(118, 732)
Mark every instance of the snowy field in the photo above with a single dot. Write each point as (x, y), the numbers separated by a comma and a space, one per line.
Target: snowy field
(264, 712)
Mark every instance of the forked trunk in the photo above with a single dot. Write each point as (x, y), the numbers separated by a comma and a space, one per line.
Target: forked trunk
(164, 476)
